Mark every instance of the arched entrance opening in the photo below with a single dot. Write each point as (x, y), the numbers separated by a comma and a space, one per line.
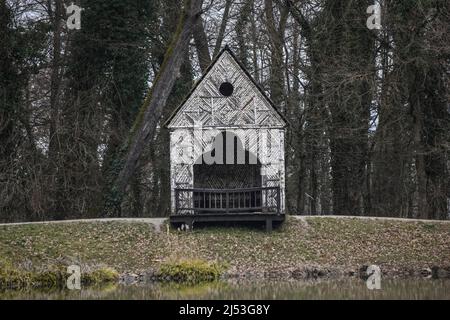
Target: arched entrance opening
(227, 178)
(233, 166)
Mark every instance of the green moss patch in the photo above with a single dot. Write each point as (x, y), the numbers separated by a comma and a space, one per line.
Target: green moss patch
(56, 277)
(192, 271)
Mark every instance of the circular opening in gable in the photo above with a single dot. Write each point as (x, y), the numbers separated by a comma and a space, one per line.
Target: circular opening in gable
(226, 89)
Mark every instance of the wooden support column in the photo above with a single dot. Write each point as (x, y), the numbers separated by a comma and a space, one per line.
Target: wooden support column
(190, 223)
(268, 225)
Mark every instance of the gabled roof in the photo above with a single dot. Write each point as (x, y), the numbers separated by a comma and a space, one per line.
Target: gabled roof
(265, 105)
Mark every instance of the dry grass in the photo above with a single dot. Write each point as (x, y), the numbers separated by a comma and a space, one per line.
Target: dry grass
(135, 247)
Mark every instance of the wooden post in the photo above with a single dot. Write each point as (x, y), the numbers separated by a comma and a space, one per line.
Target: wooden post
(176, 201)
(268, 225)
(228, 201)
(239, 200)
(264, 200)
(278, 200)
(204, 200)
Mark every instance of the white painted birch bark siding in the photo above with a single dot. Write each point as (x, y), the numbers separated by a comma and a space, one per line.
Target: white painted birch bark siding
(206, 113)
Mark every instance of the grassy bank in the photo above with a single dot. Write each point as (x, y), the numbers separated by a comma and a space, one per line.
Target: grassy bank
(323, 243)
(52, 276)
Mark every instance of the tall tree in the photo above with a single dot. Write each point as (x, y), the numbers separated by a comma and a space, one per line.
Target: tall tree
(240, 29)
(146, 122)
(11, 84)
(348, 73)
(21, 54)
(201, 44)
(424, 72)
(131, 40)
(276, 32)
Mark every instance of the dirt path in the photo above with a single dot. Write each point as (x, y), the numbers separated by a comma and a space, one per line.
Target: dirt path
(155, 222)
(303, 218)
(158, 222)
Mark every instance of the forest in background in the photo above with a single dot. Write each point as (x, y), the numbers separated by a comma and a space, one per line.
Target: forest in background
(368, 110)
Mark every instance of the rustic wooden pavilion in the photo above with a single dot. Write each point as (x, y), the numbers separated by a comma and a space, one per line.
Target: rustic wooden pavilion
(227, 150)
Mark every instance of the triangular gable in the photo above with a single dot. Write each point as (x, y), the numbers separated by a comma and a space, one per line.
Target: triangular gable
(205, 106)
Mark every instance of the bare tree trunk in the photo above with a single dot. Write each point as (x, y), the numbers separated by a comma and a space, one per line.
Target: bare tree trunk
(276, 38)
(201, 44)
(420, 164)
(429, 137)
(55, 82)
(223, 26)
(145, 125)
(240, 28)
(255, 45)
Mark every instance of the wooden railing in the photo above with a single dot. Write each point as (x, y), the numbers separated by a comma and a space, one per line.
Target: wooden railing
(226, 201)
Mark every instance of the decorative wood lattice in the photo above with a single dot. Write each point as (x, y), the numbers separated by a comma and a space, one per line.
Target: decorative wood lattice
(207, 107)
(241, 109)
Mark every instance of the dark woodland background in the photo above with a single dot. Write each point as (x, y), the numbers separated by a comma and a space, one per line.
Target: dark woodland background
(368, 109)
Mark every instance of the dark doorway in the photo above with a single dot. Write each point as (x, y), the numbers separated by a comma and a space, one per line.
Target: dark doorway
(236, 168)
(242, 175)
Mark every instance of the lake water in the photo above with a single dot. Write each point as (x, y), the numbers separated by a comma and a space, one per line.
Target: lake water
(229, 290)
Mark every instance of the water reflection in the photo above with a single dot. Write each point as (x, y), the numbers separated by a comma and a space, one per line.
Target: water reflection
(229, 290)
